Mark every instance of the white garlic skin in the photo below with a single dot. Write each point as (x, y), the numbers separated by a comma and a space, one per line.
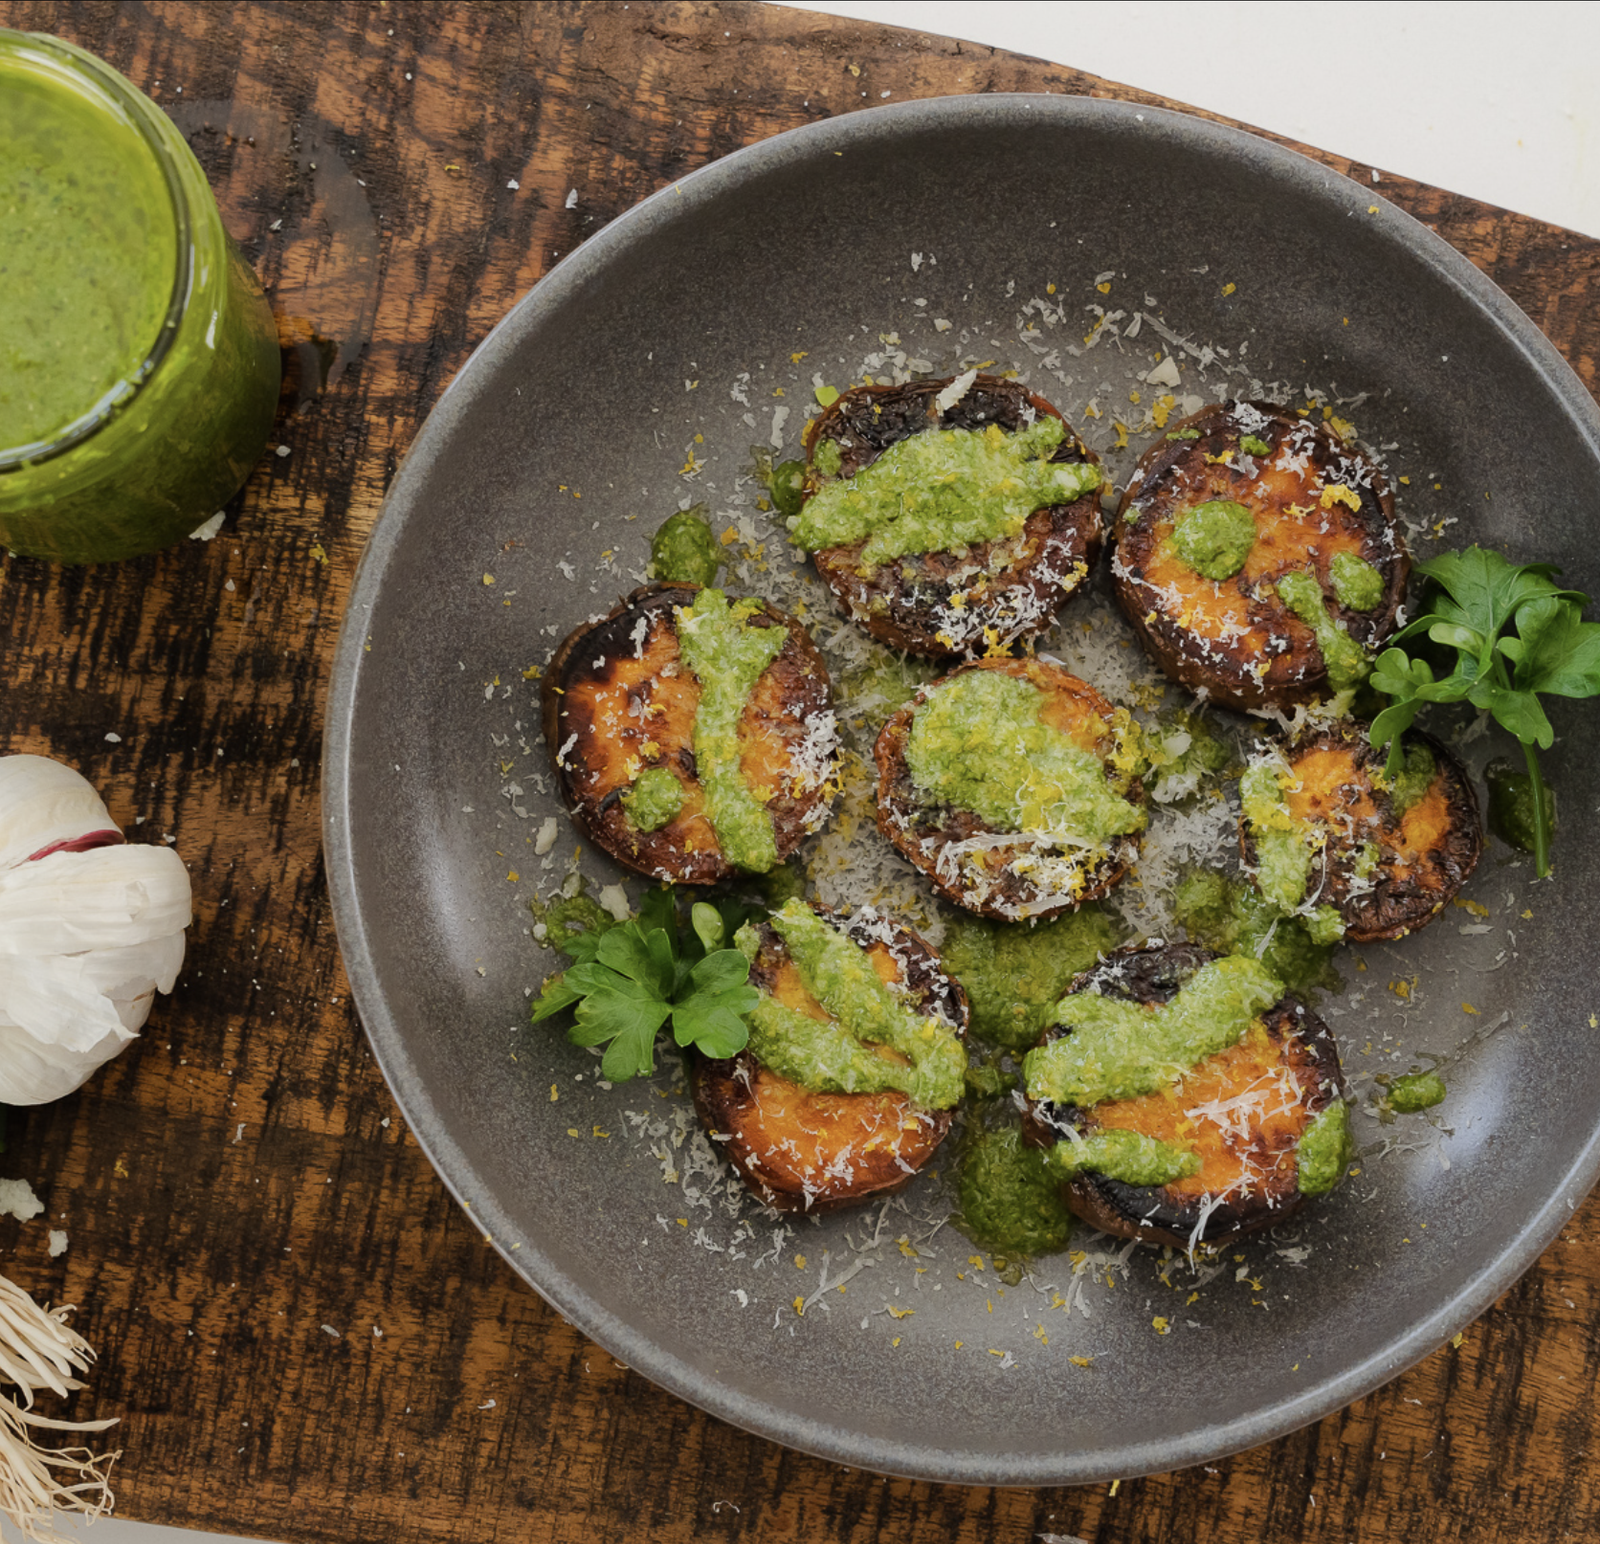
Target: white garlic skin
(87, 938)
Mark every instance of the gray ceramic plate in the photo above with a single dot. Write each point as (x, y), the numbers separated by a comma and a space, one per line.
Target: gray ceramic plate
(567, 437)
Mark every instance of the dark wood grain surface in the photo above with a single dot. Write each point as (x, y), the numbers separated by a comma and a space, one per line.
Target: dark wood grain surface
(306, 1337)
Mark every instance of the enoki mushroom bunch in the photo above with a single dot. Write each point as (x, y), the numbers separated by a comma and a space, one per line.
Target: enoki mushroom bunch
(38, 1350)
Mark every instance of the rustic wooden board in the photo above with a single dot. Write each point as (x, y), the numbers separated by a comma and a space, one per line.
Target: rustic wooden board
(246, 1210)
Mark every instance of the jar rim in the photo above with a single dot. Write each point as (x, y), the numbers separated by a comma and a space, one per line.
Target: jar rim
(138, 109)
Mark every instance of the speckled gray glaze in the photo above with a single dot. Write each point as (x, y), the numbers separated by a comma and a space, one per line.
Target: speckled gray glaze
(804, 242)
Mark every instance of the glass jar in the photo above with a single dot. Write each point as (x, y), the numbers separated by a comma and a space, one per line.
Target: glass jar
(139, 363)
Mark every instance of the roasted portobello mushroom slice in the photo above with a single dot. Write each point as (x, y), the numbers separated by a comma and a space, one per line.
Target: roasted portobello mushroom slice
(1185, 1098)
(1257, 556)
(692, 736)
(1360, 855)
(950, 517)
(1014, 787)
(855, 1063)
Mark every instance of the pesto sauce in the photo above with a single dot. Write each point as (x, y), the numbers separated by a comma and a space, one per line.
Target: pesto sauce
(654, 799)
(943, 490)
(1346, 661)
(684, 550)
(1215, 538)
(1283, 858)
(728, 657)
(828, 459)
(1326, 1146)
(978, 743)
(836, 1057)
(1121, 1050)
(1416, 1091)
(1010, 1195)
(1014, 974)
(1512, 816)
(1235, 918)
(1411, 783)
(1129, 1156)
(1358, 585)
(1182, 753)
(568, 918)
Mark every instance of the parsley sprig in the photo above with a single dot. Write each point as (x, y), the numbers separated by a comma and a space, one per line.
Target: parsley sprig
(629, 978)
(1480, 599)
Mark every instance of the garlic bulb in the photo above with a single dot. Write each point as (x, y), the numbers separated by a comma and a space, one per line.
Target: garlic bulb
(90, 930)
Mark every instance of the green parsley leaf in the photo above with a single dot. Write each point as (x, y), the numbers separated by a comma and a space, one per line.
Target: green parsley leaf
(1552, 650)
(637, 974)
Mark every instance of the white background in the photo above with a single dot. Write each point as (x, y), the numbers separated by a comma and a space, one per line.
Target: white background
(1500, 102)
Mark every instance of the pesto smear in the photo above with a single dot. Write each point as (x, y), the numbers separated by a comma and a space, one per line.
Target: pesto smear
(1358, 585)
(1346, 660)
(837, 1057)
(1215, 538)
(1010, 1195)
(1121, 1050)
(1326, 1146)
(684, 550)
(1416, 1091)
(654, 799)
(1411, 783)
(1014, 974)
(943, 490)
(1283, 860)
(1129, 1156)
(1235, 918)
(727, 656)
(979, 743)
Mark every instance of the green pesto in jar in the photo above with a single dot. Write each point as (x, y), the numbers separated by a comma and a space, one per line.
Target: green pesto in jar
(1346, 661)
(1129, 1156)
(1416, 1091)
(1121, 1050)
(1010, 1195)
(1356, 583)
(979, 743)
(654, 799)
(836, 1057)
(139, 362)
(728, 656)
(1410, 785)
(1215, 538)
(1283, 857)
(943, 490)
(1325, 1148)
(90, 255)
(1236, 918)
(684, 550)
(1015, 974)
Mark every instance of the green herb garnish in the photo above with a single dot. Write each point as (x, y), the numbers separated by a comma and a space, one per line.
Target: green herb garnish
(1481, 598)
(627, 980)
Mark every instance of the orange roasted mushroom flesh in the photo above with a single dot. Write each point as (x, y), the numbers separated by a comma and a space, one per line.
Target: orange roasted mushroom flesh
(1236, 500)
(798, 1150)
(1245, 1117)
(965, 599)
(621, 710)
